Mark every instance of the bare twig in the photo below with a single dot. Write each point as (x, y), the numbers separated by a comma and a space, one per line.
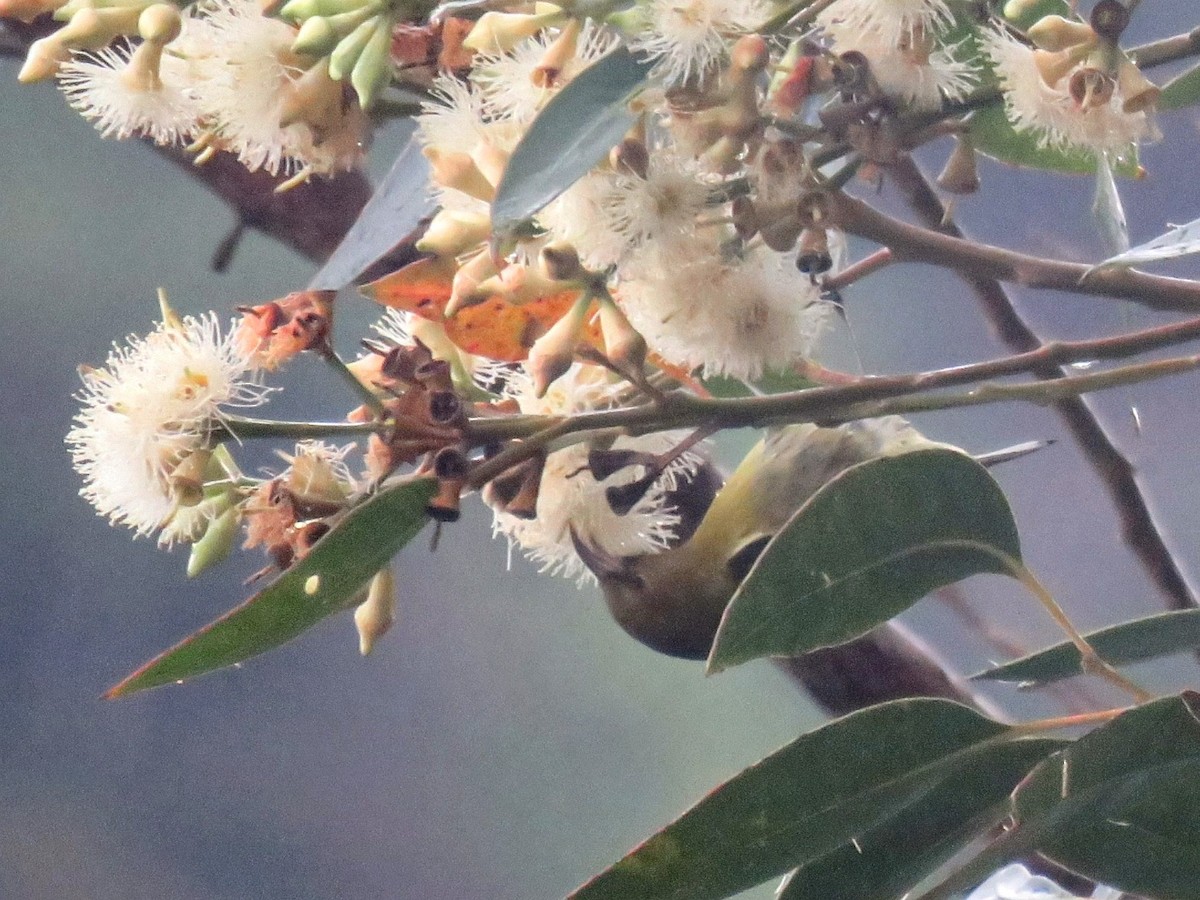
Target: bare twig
(912, 243)
(1117, 473)
(1157, 53)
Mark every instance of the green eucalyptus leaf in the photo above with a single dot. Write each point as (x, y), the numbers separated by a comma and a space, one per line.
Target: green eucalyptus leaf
(1182, 90)
(813, 796)
(1181, 240)
(1129, 642)
(578, 127)
(864, 548)
(995, 136)
(343, 561)
(772, 382)
(1122, 804)
(894, 855)
(390, 217)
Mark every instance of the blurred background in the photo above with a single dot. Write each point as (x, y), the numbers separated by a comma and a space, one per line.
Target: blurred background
(505, 740)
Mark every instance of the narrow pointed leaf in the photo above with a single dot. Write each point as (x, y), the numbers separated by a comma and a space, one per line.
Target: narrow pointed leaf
(864, 548)
(1122, 804)
(896, 854)
(343, 561)
(1182, 90)
(806, 800)
(1129, 642)
(585, 120)
(1182, 240)
(1108, 210)
(994, 136)
(398, 205)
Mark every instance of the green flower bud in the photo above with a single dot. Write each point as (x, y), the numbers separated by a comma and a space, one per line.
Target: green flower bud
(216, 542)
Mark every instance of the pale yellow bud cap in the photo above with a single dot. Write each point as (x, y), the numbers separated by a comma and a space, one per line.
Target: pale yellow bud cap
(1058, 33)
(458, 171)
(375, 615)
(450, 233)
(160, 23)
(1138, 93)
(498, 32)
(552, 354)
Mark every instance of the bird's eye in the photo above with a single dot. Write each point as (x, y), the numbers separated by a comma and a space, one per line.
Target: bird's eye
(743, 560)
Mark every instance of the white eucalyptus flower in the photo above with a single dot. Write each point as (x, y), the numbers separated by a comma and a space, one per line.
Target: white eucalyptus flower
(570, 498)
(890, 23)
(1050, 113)
(690, 37)
(123, 101)
(517, 84)
(151, 407)
(736, 317)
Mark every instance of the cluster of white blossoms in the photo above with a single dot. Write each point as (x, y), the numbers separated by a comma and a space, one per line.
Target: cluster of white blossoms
(1055, 91)
(141, 440)
(904, 43)
(573, 502)
(695, 248)
(220, 76)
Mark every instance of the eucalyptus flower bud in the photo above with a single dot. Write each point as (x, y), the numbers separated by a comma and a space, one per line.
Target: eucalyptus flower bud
(373, 69)
(623, 344)
(375, 615)
(316, 37)
(1138, 93)
(1054, 66)
(349, 48)
(217, 541)
(458, 171)
(560, 52)
(498, 32)
(961, 174)
(160, 23)
(1057, 33)
(465, 284)
(450, 233)
(552, 354)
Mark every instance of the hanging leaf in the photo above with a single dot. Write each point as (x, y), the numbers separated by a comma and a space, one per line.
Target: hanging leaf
(1142, 639)
(994, 136)
(811, 797)
(495, 328)
(342, 561)
(893, 856)
(1107, 209)
(864, 548)
(578, 127)
(1182, 90)
(395, 209)
(1122, 804)
(1181, 240)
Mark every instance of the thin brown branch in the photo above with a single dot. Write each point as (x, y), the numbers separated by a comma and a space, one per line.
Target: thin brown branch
(912, 243)
(889, 392)
(1161, 52)
(312, 219)
(1117, 473)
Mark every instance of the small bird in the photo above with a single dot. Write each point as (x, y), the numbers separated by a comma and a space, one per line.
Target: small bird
(673, 600)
